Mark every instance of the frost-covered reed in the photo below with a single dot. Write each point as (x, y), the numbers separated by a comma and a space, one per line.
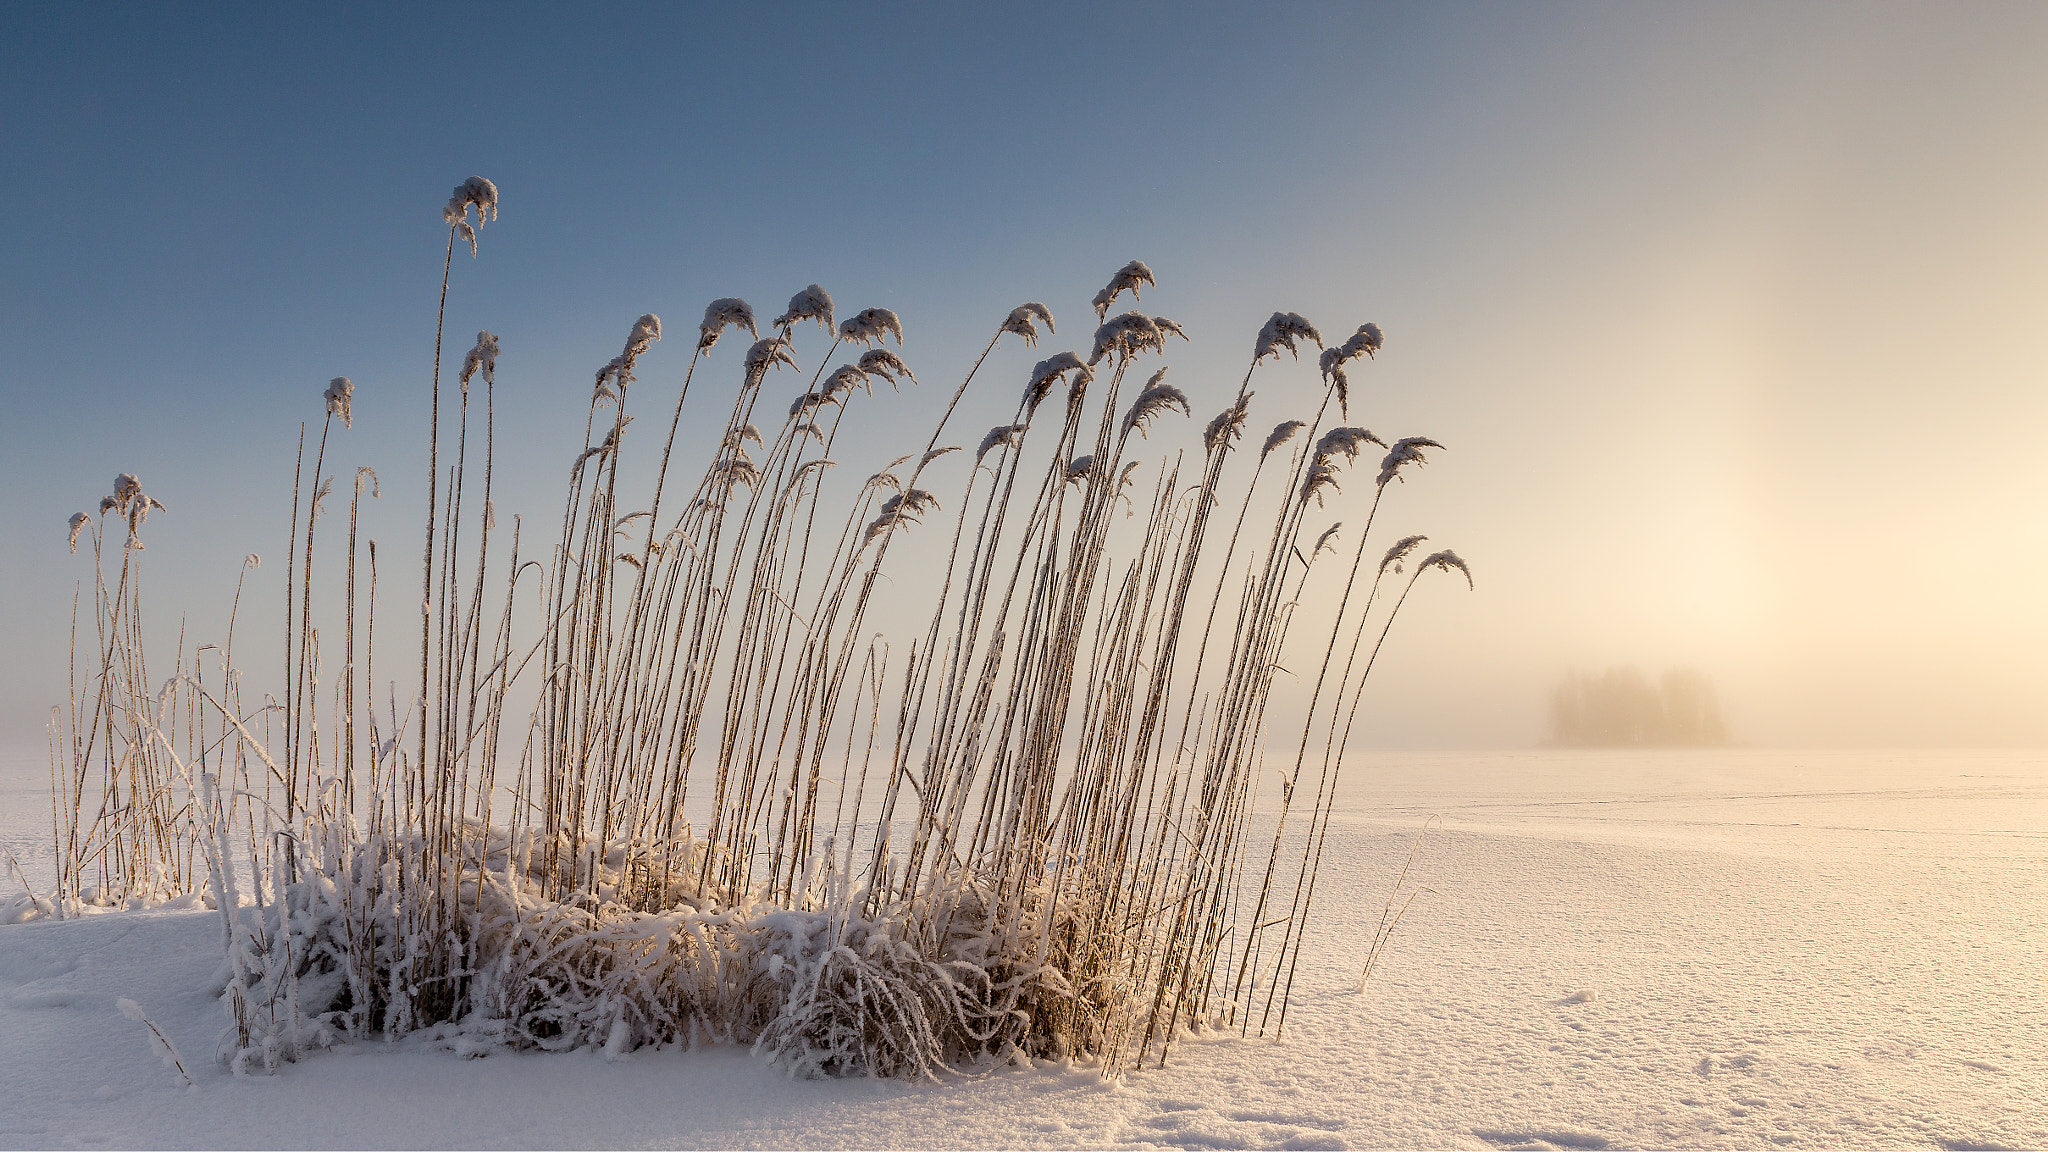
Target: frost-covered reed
(659, 779)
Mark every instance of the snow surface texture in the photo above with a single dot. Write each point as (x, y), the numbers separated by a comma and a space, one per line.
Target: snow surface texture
(1729, 948)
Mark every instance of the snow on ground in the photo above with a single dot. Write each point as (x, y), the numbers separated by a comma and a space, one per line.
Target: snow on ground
(1743, 948)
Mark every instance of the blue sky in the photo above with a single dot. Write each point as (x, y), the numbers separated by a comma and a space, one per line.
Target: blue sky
(1726, 312)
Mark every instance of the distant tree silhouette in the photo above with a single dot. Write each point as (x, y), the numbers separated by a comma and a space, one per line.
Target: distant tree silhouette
(1620, 708)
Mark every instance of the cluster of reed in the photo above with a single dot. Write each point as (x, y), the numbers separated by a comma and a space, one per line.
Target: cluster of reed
(732, 811)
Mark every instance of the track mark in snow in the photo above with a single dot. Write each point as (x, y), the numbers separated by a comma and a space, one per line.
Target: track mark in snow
(1544, 1138)
(1197, 1126)
(1286, 1118)
(44, 998)
(1980, 1065)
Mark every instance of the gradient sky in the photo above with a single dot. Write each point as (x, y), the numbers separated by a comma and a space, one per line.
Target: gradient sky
(1730, 316)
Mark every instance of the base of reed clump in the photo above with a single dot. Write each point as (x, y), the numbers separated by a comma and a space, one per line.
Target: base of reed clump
(831, 990)
(733, 812)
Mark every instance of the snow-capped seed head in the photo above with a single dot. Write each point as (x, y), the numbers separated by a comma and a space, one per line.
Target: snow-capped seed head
(1344, 442)
(481, 358)
(1126, 336)
(1156, 398)
(813, 303)
(646, 330)
(750, 433)
(1124, 481)
(722, 313)
(1367, 340)
(1169, 328)
(1227, 425)
(1281, 434)
(846, 378)
(767, 352)
(1127, 278)
(1004, 436)
(1323, 541)
(1406, 451)
(1399, 552)
(886, 364)
(619, 371)
(807, 402)
(1282, 331)
(339, 391)
(1078, 468)
(78, 521)
(477, 192)
(1048, 370)
(130, 501)
(1446, 561)
(870, 325)
(1020, 322)
(366, 472)
(934, 454)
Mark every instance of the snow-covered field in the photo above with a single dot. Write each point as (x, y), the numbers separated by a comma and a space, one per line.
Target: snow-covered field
(1737, 948)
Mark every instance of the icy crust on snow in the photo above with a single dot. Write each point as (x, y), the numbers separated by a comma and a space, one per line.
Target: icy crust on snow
(1726, 949)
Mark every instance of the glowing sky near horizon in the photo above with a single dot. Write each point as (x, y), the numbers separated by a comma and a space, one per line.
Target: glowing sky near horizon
(1730, 316)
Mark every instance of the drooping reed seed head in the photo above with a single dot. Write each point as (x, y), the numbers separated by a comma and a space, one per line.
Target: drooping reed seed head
(870, 326)
(131, 503)
(481, 358)
(1227, 425)
(1126, 336)
(766, 353)
(885, 364)
(1051, 369)
(1156, 398)
(474, 192)
(1323, 541)
(1127, 278)
(813, 303)
(1447, 561)
(1345, 442)
(1003, 436)
(1281, 434)
(846, 378)
(1406, 451)
(1020, 322)
(1282, 331)
(78, 522)
(340, 391)
(1364, 342)
(722, 313)
(646, 330)
(1399, 552)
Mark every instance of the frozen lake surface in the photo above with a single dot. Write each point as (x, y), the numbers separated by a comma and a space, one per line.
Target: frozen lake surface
(1740, 948)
